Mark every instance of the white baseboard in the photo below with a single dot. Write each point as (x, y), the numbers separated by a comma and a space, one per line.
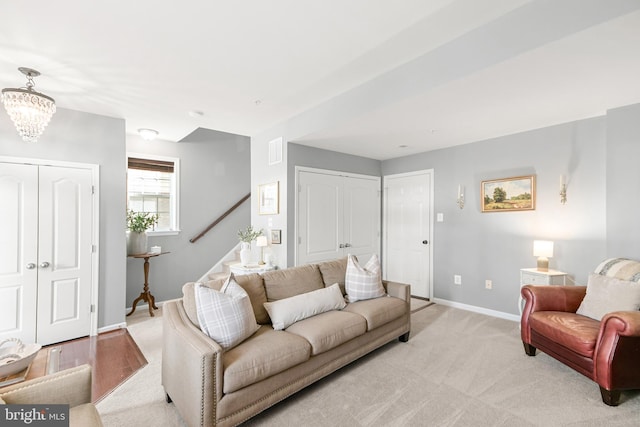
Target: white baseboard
(110, 328)
(144, 306)
(481, 310)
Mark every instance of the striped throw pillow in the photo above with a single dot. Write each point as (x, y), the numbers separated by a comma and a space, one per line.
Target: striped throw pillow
(225, 315)
(363, 282)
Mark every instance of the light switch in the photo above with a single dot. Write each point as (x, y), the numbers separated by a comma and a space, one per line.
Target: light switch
(440, 217)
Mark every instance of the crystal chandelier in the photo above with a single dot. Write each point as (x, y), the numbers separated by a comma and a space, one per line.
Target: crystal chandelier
(29, 110)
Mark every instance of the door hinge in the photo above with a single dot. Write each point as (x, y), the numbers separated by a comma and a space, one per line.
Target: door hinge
(93, 249)
(92, 309)
(93, 189)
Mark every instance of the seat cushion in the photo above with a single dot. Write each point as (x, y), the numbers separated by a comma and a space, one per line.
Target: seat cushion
(280, 284)
(328, 330)
(266, 353)
(84, 416)
(378, 311)
(573, 331)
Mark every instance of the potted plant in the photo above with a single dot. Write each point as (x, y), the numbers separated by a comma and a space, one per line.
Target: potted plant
(138, 223)
(247, 236)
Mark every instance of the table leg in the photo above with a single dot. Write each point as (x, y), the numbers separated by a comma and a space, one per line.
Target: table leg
(145, 295)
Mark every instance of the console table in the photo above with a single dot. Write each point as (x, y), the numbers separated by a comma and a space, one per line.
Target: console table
(145, 295)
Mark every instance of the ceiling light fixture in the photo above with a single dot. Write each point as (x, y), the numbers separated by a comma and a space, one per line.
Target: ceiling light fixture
(148, 134)
(29, 110)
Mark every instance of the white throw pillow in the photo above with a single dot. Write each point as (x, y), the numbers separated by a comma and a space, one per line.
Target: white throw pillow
(606, 294)
(225, 315)
(287, 311)
(363, 282)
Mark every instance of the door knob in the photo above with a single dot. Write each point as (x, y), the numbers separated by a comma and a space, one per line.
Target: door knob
(425, 242)
(31, 266)
(347, 245)
(341, 246)
(44, 264)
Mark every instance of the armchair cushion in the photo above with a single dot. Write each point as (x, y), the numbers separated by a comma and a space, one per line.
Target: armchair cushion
(607, 294)
(577, 333)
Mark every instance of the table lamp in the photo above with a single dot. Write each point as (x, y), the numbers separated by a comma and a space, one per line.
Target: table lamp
(261, 242)
(543, 249)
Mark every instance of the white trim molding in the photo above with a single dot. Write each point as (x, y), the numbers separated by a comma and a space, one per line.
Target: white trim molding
(481, 310)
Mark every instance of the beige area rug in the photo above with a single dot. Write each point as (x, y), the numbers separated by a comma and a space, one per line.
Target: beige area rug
(458, 369)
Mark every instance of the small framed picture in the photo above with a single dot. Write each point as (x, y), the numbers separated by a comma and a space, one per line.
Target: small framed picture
(268, 198)
(276, 236)
(509, 194)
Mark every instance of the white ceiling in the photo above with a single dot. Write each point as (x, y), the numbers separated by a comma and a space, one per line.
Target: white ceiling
(249, 65)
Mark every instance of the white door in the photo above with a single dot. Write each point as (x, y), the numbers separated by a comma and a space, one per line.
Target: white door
(46, 249)
(337, 215)
(64, 254)
(407, 219)
(361, 218)
(18, 251)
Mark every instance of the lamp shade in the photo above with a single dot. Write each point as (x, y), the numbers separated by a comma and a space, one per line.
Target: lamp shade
(261, 241)
(543, 248)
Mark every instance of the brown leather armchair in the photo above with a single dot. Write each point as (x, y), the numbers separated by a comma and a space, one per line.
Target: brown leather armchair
(606, 351)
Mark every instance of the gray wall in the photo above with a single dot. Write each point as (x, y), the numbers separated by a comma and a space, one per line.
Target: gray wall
(301, 155)
(88, 138)
(623, 182)
(495, 246)
(215, 173)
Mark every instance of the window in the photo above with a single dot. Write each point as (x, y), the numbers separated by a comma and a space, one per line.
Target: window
(152, 186)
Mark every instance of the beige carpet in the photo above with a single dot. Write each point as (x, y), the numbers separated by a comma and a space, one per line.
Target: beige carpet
(458, 369)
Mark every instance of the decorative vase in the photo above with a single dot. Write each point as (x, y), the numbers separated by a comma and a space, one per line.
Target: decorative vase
(136, 243)
(245, 253)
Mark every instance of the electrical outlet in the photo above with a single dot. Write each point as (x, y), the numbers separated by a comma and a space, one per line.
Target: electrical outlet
(457, 279)
(488, 284)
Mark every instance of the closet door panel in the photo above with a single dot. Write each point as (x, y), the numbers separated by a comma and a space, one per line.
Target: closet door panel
(18, 251)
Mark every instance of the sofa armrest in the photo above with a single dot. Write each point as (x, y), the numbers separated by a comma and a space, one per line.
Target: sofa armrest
(548, 298)
(191, 366)
(70, 387)
(398, 290)
(618, 350)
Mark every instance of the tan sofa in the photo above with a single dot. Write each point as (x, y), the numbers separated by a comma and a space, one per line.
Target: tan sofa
(211, 387)
(70, 387)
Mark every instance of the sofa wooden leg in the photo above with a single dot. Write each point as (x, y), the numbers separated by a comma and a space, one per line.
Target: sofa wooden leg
(610, 397)
(404, 337)
(529, 349)
(168, 398)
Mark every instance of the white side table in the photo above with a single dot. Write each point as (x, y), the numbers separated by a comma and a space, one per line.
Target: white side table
(239, 269)
(533, 276)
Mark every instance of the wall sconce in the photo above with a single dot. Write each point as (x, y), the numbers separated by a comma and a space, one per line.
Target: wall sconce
(563, 190)
(460, 200)
(543, 249)
(261, 242)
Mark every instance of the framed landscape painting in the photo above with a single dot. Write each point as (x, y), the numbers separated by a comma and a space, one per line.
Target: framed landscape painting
(509, 194)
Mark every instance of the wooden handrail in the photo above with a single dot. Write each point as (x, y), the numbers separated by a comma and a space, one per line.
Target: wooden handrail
(220, 218)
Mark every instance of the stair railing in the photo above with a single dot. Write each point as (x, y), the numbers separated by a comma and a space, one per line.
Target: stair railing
(220, 218)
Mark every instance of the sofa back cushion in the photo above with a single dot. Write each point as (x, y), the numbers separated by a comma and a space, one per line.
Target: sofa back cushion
(251, 283)
(334, 272)
(280, 284)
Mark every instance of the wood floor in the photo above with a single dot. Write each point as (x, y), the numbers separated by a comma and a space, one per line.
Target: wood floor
(113, 356)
